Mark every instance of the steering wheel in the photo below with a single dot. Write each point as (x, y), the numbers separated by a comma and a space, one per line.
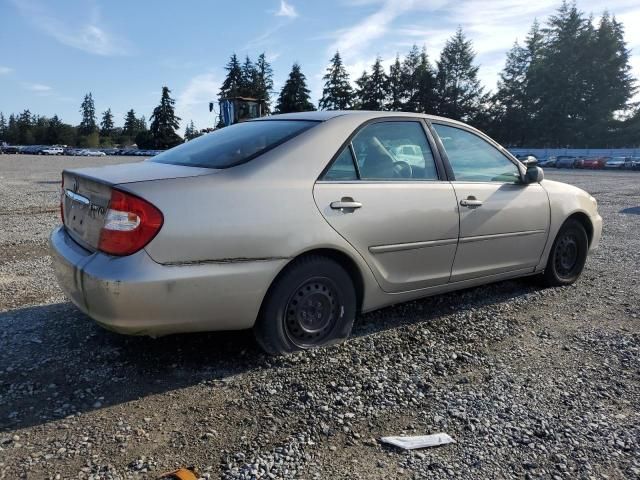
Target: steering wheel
(402, 169)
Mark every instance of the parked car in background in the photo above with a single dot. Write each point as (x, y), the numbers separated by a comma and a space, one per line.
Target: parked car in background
(90, 153)
(52, 151)
(565, 161)
(10, 149)
(547, 162)
(292, 224)
(635, 163)
(595, 163)
(618, 163)
(579, 162)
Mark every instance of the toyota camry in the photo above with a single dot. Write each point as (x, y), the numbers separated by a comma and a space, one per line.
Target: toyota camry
(293, 224)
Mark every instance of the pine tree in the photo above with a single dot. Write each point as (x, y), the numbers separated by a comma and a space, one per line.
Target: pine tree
(373, 92)
(424, 98)
(294, 96)
(264, 80)
(106, 124)
(233, 83)
(164, 122)
(191, 132)
(24, 124)
(88, 124)
(560, 78)
(408, 74)
(249, 79)
(361, 88)
(457, 85)
(396, 87)
(130, 128)
(3, 128)
(611, 85)
(510, 100)
(337, 93)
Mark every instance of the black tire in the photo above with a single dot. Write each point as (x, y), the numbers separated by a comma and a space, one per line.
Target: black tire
(311, 304)
(567, 256)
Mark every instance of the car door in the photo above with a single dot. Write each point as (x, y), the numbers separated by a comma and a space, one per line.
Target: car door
(504, 223)
(401, 217)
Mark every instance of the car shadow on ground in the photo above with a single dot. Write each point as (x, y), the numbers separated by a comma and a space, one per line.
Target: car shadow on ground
(54, 361)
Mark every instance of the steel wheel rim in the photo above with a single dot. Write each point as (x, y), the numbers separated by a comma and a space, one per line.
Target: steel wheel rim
(312, 312)
(566, 255)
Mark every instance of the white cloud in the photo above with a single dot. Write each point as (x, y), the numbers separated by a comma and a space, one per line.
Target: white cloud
(286, 10)
(88, 34)
(37, 88)
(5, 70)
(192, 103)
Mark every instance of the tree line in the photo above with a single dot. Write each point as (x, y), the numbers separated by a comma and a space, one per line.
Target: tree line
(568, 84)
(29, 129)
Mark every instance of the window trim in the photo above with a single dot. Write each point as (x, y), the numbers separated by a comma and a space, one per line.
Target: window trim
(482, 136)
(435, 152)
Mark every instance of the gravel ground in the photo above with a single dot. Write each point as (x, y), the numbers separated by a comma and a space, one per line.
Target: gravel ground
(531, 383)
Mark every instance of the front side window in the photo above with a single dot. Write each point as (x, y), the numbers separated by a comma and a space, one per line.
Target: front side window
(473, 159)
(394, 151)
(229, 146)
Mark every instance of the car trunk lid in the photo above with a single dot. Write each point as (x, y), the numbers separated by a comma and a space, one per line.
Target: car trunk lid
(86, 194)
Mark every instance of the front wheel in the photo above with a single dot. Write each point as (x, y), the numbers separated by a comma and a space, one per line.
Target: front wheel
(568, 255)
(312, 304)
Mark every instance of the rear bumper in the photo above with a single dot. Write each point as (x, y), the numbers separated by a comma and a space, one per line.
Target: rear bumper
(137, 296)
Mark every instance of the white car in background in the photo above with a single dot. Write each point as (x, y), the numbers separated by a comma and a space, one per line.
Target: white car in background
(91, 153)
(53, 151)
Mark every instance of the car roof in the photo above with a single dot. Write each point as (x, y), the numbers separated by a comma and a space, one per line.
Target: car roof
(324, 115)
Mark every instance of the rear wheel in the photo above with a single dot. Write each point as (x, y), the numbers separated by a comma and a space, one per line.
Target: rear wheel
(568, 255)
(312, 304)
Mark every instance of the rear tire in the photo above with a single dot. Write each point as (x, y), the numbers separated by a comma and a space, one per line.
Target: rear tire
(568, 255)
(312, 304)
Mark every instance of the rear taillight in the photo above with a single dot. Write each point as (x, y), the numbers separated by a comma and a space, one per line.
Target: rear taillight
(130, 224)
(62, 200)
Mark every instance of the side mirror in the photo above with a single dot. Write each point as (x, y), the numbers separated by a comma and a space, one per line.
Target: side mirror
(529, 161)
(534, 175)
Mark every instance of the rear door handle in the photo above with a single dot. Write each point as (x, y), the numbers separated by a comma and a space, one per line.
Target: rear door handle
(470, 202)
(347, 203)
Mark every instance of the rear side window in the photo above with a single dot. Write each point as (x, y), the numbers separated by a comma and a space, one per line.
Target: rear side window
(343, 167)
(234, 145)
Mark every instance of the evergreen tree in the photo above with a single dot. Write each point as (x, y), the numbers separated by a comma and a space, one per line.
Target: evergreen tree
(3, 128)
(373, 92)
(106, 125)
(361, 88)
(611, 85)
(264, 80)
(408, 74)
(234, 82)
(337, 93)
(396, 87)
(249, 79)
(294, 96)
(88, 124)
(164, 122)
(24, 123)
(424, 98)
(130, 128)
(12, 129)
(457, 85)
(560, 78)
(191, 132)
(511, 102)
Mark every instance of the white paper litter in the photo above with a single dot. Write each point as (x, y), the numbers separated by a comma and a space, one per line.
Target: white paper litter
(419, 441)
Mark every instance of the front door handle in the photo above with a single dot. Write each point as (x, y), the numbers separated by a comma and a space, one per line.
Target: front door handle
(346, 203)
(470, 202)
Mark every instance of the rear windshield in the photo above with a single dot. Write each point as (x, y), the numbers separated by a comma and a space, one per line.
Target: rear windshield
(233, 145)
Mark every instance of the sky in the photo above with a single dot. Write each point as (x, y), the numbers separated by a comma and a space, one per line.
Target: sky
(123, 52)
